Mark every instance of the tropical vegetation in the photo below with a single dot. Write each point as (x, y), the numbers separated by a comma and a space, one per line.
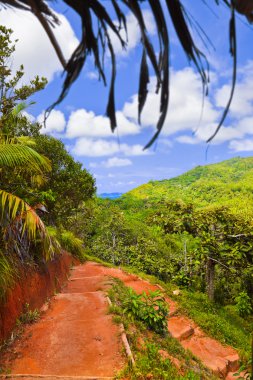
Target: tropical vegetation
(37, 177)
(193, 232)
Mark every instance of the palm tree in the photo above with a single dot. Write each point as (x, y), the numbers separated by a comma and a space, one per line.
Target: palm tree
(96, 39)
(20, 224)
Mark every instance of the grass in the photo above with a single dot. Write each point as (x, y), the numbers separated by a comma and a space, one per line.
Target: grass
(28, 316)
(221, 322)
(151, 365)
(147, 344)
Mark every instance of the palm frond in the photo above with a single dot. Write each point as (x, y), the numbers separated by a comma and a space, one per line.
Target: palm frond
(21, 222)
(19, 155)
(20, 107)
(12, 205)
(96, 26)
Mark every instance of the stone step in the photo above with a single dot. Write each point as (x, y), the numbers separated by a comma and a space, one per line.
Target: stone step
(180, 327)
(213, 354)
(71, 339)
(85, 284)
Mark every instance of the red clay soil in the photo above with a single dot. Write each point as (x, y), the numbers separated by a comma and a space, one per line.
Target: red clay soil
(222, 360)
(76, 336)
(34, 287)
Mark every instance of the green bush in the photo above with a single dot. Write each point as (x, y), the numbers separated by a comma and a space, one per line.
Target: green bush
(149, 308)
(71, 243)
(243, 304)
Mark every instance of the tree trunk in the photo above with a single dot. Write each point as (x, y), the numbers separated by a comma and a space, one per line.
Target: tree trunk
(210, 275)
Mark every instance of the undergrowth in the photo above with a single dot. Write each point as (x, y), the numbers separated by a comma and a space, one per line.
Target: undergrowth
(152, 348)
(151, 309)
(69, 242)
(28, 316)
(8, 273)
(221, 322)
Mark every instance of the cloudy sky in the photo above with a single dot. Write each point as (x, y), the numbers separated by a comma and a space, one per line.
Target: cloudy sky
(117, 160)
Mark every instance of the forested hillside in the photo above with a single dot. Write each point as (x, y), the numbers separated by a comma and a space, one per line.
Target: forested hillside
(194, 232)
(222, 183)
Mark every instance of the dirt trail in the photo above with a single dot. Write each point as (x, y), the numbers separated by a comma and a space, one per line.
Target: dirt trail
(222, 360)
(75, 336)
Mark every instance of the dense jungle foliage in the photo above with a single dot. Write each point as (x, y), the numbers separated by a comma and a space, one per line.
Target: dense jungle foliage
(194, 230)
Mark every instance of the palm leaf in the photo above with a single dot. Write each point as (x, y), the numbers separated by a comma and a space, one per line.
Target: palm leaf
(94, 41)
(19, 155)
(20, 220)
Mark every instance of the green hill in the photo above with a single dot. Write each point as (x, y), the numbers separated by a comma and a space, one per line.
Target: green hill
(225, 182)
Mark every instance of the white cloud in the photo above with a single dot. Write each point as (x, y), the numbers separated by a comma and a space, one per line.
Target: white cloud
(184, 112)
(117, 162)
(242, 103)
(242, 145)
(112, 162)
(185, 139)
(55, 122)
(241, 129)
(99, 148)
(92, 75)
(133, 33)
(84, 123)
(29, 116)
(203, 134)
(33, 48)
(184, 107)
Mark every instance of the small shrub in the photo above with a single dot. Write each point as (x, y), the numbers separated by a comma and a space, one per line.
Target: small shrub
(182, 279)
(150, 308)
(72, 244)
(29, 316)
(243, 304)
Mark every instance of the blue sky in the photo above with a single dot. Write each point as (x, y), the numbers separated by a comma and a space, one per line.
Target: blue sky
(117, 160)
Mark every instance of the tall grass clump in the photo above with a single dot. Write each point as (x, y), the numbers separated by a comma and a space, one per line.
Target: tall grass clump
(68, 242)
(7, 275)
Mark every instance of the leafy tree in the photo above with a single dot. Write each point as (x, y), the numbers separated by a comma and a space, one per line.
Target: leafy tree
(20, 225)
(68, 184)
(12, 93)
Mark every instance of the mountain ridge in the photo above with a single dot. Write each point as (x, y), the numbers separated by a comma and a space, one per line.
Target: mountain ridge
(221, 182)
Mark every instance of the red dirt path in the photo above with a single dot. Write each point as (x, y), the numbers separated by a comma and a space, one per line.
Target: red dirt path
(75, 336)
